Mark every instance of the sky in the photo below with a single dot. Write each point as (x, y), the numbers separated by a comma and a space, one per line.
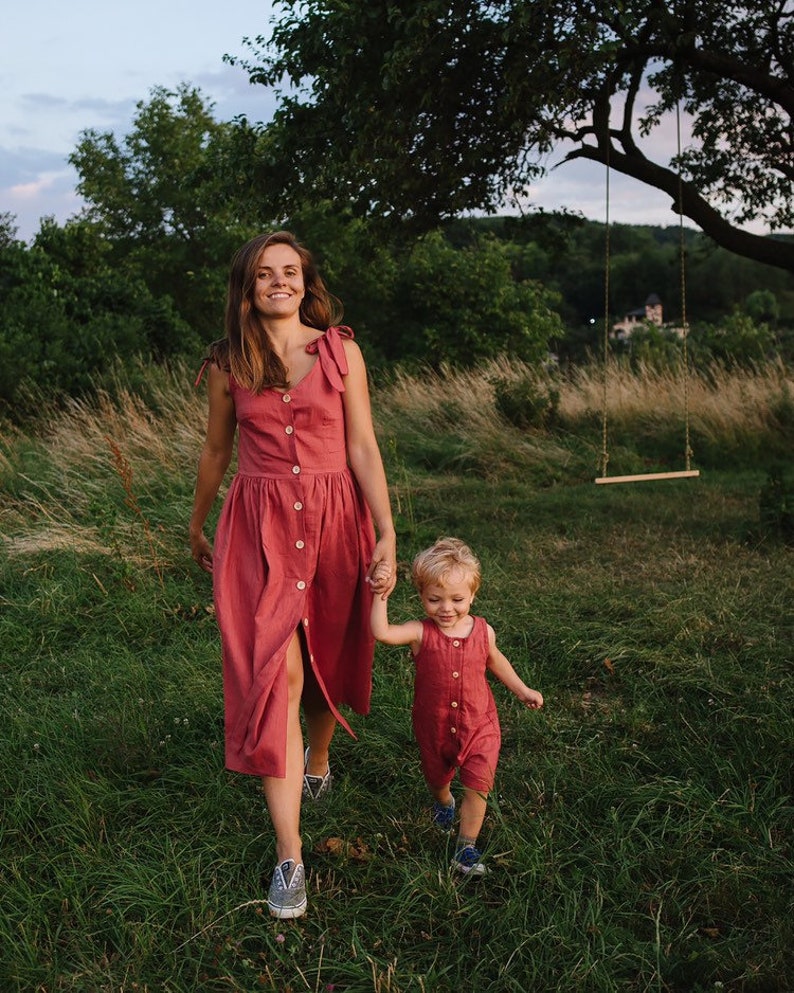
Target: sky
(71, 65)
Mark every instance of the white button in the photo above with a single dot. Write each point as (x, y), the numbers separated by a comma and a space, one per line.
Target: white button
(296, 469)
(297, 505)
(289, 429)
(454, 703)
(299, 543)
(305, 622)
(453, 730)
(455, 675)
(286, 398)
(301, 585)
(456, 643)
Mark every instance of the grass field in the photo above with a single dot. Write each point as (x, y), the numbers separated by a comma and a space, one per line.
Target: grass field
(640, 834)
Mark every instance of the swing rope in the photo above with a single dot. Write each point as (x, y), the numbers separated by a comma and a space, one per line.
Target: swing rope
(684, 322)
(688, 472)
(605, 342)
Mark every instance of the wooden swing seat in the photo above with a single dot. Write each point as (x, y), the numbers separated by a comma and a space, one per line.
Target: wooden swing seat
(641, 477)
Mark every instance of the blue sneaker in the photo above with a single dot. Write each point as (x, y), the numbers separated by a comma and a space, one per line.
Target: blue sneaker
(467, 860)
(443, 816)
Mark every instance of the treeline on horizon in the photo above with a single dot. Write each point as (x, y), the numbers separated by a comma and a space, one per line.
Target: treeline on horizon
(75, 301)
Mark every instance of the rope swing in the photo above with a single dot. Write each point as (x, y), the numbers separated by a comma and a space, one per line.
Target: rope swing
(688, 472)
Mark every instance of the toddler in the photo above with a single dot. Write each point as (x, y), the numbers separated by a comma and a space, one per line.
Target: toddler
(454, 714)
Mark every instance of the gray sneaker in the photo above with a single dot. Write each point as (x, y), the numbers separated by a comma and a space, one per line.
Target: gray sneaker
(315, 787)
(287, 895)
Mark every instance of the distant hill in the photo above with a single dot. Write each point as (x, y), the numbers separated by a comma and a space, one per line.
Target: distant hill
(567, 254)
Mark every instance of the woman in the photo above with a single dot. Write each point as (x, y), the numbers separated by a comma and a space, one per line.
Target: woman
(295, 551)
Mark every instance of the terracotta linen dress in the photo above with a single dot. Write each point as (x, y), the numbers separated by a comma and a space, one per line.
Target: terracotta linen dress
(455, 721)
(292, 546)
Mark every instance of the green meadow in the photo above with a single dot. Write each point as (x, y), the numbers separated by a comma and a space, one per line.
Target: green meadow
(640, 834)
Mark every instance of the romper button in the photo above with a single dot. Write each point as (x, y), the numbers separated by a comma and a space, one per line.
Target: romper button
(456, 643)
(297, 505)
(299, 544)
(301, 585)
(289, 429)
(453, 730)
(286, 398)
(296, 469)
(305, 622)
(455, 675)
(454, 703)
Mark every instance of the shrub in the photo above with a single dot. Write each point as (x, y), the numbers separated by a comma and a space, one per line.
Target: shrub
(526, 404)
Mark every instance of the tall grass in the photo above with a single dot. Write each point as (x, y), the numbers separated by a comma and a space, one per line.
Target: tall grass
(640, 831)
(736, 416)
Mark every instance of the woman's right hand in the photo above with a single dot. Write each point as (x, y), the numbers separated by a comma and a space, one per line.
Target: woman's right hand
(201, 550)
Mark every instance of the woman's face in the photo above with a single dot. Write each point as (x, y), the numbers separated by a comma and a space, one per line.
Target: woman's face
(278, 287)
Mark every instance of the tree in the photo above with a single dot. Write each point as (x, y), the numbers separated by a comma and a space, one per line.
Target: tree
(174, 199)
(67, 313)
(461, 305)
(427, 110)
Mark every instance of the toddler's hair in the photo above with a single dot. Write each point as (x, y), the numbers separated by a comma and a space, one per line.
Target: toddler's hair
(433, 566)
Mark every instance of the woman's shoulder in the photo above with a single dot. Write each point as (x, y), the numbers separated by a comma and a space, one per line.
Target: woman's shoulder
(337, 352)
(218, 354)
(334, 337)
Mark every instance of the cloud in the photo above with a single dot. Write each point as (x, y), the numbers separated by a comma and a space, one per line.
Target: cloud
(28, 191)
(233, 95)
(36, 183)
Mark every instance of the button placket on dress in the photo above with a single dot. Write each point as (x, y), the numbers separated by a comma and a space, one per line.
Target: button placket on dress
(299, 540)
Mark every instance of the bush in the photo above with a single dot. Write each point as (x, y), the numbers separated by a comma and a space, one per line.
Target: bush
(525, 404)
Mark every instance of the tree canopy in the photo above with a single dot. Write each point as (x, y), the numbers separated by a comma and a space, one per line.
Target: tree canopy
(172, 198)
(427, 110)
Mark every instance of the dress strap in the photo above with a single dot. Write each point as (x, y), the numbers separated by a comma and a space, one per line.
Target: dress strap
(218, 352)
(331, 350)
(201, 371)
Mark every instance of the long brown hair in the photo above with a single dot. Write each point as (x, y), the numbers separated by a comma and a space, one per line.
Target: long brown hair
(251, 358)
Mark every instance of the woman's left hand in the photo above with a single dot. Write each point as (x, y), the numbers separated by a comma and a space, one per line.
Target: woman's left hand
(382, 572)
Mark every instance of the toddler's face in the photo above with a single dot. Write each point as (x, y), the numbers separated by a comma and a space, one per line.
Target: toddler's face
(450, 601)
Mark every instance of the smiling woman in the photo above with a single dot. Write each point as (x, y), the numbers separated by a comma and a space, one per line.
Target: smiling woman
(295, 560)
(279, 289)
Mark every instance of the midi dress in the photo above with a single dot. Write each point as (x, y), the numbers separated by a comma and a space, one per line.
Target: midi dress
(292, 546)
(454, 714)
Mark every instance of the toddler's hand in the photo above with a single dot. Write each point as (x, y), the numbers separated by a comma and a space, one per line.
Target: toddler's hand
(381, 578)
(531, 699)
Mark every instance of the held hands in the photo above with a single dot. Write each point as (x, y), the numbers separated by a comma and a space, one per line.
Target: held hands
(382, 572)
(201, 551)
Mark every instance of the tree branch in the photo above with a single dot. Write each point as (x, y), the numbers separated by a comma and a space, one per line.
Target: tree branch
(770, 251)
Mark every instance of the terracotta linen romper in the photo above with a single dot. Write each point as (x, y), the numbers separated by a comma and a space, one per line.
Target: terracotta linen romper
(454, 713)
(292, 546)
